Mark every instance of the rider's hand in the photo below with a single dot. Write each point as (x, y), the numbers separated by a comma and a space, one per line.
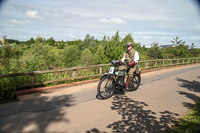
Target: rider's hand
(131, 63)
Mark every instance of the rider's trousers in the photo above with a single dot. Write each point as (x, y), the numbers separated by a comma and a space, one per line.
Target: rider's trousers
(130, 72)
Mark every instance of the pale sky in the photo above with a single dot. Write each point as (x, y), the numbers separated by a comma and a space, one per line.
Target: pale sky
(147, 21)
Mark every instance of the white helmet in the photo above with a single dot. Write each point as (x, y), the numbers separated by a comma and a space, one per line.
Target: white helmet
(129, 44)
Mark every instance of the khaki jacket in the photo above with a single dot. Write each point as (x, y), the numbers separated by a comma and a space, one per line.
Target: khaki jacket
(129, 56)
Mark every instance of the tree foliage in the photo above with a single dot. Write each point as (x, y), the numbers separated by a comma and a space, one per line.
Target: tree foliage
(87, 58)
(43, 54)
(114, 48)
(176, 42)
(155, 52)
(71, 56)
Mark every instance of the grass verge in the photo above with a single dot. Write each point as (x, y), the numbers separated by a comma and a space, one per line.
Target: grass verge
(190, 123)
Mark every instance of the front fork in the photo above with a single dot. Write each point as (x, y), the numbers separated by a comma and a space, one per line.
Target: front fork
(120, 81)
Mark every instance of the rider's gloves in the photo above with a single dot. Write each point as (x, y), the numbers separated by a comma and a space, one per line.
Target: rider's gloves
(131, 63)
(120, 62)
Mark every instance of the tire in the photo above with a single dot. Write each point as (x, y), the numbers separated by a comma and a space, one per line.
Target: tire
(135, 82)
(106, 87)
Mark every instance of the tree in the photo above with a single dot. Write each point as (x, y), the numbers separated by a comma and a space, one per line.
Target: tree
(36, 57)
(12, 41)
(114, 49)
(51, 41)
(194, 52)
(90, 43)
(87, 58)
(4, 39)
(177, 42)
(100, 57)
(104, 38)
(86, 42)
(40, 40)
(104, 41)
(182, 51)
(192, 46)
(128, 38)
(155, 52)
(31, 41)
(61, 45)
(71, 56)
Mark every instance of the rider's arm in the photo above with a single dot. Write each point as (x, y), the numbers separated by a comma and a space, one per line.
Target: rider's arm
(123, 57)
(136, 57)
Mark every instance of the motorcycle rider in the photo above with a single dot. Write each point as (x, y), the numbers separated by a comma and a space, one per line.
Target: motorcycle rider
(131, 58)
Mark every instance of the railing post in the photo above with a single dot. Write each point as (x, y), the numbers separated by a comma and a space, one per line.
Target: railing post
(188, 60)
(74, 74)
(163, 62)
(146, 64)
(170, 62)
(155, 63)
(183, 61)
(100, 70)
(32, 78)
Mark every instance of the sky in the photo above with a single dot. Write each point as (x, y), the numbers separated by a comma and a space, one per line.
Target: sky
(147, 21)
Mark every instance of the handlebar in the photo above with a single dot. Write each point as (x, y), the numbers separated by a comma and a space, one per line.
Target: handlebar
(116, 63)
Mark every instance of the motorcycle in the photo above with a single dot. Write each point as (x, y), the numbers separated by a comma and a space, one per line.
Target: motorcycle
(110, 82)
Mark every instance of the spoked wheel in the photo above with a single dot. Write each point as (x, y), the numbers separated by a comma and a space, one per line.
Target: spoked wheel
(106, 87)
(134, 83)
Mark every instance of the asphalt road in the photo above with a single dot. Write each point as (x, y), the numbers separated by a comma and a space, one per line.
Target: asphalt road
(163, 97)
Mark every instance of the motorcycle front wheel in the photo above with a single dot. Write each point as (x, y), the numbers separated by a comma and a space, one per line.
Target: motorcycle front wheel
(135, 82)
(106, 87)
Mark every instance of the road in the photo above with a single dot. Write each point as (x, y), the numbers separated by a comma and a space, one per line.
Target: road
(163, 97)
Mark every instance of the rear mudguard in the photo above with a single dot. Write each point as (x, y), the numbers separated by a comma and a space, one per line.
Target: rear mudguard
(135, 74)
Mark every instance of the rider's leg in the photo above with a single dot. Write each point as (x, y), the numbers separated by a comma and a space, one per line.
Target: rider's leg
(122, 68)
(130, 75)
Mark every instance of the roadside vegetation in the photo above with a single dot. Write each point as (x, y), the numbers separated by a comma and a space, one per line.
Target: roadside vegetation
(190, 123)
(45, 54)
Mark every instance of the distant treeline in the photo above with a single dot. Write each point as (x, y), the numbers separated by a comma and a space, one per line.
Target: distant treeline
(42, 54)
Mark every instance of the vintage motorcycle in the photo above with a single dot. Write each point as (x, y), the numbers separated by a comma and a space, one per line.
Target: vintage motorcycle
(110, 82)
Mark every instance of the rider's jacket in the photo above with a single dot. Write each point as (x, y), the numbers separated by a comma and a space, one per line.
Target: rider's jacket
(131, 55)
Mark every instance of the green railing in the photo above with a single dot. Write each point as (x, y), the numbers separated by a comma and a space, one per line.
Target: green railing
(36, 78)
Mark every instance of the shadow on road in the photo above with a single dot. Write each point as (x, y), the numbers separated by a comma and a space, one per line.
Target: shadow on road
(117, 92)
(30, 115)
(135, 118)
(192, 86)
(191, 96)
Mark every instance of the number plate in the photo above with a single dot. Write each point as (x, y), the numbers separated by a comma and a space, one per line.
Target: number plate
(111, 71)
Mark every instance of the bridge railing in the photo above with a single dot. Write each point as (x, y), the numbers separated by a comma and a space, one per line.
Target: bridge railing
(37, 78)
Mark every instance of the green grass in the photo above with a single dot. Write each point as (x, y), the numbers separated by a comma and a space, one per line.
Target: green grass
(190, 123)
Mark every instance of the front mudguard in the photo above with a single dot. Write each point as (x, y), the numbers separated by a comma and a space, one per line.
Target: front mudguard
(104, 75)
(107, 75)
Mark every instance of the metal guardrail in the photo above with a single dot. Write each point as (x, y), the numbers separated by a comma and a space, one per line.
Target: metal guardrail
(36, 78)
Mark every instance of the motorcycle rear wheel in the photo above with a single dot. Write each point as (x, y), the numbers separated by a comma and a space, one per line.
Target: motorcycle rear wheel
(134, 83)
(106, 87)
